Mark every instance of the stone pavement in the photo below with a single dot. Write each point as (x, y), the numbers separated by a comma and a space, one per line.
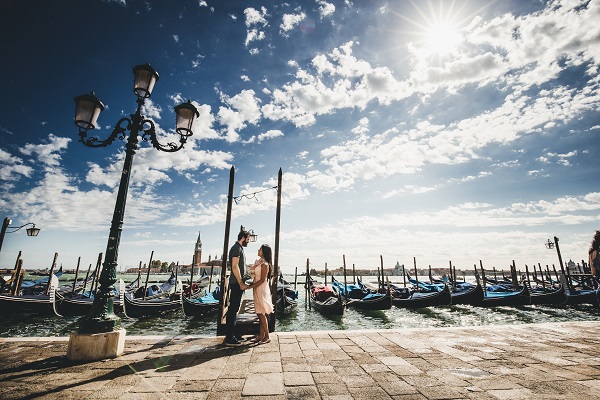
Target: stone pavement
(538, 361)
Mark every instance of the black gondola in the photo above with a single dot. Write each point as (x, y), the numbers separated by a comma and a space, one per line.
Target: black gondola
(361, 298)
(549, 296)
(414, 299)
(469, 295)
(520, 297)
(287, 297)
(325, 299)
(79, 304)
(136, 308)
(44, 304)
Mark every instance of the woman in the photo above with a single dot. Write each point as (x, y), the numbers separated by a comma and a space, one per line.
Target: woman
(261, 272)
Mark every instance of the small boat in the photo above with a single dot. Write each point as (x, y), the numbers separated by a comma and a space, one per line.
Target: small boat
(202, 306)
(407, 298)
(467, 294)
(325, 299)
(166, 299)
(137, 308)
(515, 298)
(39, 285)
(81, 303)
(358, 296)
(548, 296)
(287, 297)
(32, 303)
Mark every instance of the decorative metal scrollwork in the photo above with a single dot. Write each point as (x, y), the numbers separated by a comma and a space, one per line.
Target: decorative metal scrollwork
(118, 132)
(150, 135)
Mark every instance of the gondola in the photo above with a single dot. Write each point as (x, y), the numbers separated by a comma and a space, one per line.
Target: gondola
(44, 304)
(80, 304)
(137, 308)
(406, 298)
(472, 294)
(549, 296)
(162, 302)
(202, 306)
(576, 297)
(325, 299)
(287, 297)
(358, 297)
(515, 298)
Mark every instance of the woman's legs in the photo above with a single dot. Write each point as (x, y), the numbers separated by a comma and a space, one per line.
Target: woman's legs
(264, 328)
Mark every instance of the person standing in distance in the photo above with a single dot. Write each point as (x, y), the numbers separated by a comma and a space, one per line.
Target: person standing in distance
(237, 260)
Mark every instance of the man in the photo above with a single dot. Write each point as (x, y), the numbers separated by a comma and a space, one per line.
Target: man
(237, 260)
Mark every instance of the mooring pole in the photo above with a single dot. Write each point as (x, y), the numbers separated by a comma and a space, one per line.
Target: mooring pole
(225, 251)
(276, 255)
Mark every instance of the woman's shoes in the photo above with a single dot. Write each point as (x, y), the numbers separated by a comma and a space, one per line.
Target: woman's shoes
(265, 341)
(256, 339)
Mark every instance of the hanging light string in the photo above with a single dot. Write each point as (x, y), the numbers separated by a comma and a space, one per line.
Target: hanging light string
(251, 195)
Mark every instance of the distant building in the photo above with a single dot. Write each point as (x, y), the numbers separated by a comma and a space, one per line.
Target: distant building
(398, 269)
(198, 252)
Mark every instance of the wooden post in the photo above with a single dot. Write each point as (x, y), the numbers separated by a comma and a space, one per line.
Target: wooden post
(87, 275)
(276, 255)
(139, 278)
(17, 276)
(345, 284)
(307, 285)
(482, 275)
(94, 285)
(47, 291)
(325, 274)
(513, 273)
(212, 267)
(527, 274)
(296, 279)
(404, 275)
(542, 275)
(495, 277)
(192, 276)
(225, 251)
(382, 284)
(76, 273)
(416, 273)
(148, 274)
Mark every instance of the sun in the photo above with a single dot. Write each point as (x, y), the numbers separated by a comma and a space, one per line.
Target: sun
(441, 38)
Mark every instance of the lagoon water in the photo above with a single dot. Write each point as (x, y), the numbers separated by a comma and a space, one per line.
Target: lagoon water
(304, 319)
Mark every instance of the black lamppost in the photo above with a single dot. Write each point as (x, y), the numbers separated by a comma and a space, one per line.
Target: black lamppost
(33, 231)
(101, 317)
(551, 245)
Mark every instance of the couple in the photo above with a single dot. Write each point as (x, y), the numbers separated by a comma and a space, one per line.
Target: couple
(261, 272)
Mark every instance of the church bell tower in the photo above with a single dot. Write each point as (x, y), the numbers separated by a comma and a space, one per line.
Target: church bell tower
(198, 252)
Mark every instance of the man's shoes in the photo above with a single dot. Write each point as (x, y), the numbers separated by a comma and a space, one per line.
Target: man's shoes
(233, 342)
(241, 339)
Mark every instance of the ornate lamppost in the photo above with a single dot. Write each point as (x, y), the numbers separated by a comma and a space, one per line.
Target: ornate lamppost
(33, 231)
(101, 318)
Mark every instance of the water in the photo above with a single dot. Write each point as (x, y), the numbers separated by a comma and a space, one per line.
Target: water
(303, 319)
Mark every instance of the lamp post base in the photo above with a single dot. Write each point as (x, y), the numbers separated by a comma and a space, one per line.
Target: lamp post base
(96, 346)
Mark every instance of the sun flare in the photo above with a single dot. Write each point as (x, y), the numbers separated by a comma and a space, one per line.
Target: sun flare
(441, 39)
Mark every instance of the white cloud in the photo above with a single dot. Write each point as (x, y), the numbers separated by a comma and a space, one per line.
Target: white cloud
(151, 110)
(289, 21)
(270, 134)
(325, 8)
(48, 154)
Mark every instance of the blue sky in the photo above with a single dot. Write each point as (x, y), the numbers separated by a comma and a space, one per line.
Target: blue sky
(442, 130)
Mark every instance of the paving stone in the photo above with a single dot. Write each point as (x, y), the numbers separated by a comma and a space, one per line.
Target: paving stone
(298, 379)
(302, 393)
(264, 384)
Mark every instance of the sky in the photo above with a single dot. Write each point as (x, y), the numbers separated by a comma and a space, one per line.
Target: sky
(431, 131)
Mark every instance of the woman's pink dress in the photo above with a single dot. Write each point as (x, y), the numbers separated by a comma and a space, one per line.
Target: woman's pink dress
(261, 293)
